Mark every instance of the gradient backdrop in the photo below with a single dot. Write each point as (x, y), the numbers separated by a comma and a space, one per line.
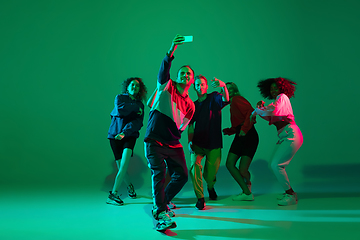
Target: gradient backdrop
(62, 63)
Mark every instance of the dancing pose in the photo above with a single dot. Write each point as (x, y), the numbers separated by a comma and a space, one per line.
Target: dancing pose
(205, 139)
(281, 115)
(171, 112)
(150, 103)
(244, 144)
(126, 121)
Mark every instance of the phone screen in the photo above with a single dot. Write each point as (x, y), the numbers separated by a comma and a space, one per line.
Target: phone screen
(188, 39)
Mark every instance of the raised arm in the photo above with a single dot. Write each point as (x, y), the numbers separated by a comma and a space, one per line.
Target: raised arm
(218, 83)
(164, 72)
(178, 40)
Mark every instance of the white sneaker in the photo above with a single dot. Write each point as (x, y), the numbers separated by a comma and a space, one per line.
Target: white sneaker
(114, 199)
(131, 191)
(280, 196)
(288, 199)
(243, 197)
(165, 222)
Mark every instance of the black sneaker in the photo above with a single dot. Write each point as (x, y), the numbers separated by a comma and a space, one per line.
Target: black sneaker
(114, 200)
(200, 205)
(212, 194)
(131, 191)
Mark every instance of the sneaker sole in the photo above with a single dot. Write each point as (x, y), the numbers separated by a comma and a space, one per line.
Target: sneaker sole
(287, 204)
(246, 200)
(284, 205)
(115, 203)
(163, 227)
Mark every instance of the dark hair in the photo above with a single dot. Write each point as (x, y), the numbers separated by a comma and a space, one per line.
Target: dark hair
(235, 87)
(200, 77)
(142, 91)
(285, 86)
(185, 66)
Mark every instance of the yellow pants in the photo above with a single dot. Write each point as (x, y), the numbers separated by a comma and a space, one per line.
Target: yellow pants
(212, 164)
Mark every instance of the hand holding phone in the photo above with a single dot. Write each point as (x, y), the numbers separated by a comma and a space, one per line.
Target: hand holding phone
(178, 40)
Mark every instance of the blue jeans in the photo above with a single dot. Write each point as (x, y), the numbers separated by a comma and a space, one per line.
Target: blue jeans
(158, 158)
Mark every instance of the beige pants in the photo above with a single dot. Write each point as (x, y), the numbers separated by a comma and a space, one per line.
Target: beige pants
(290, 140)
(212, 164)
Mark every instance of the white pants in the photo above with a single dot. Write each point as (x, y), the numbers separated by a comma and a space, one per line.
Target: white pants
(290, 140)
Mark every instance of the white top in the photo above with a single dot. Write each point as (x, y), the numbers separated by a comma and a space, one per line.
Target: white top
(281, 110)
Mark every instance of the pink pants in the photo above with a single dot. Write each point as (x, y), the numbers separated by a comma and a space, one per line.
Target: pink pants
(290, 140)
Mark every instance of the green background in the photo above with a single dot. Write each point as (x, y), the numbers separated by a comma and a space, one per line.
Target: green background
(62, 63)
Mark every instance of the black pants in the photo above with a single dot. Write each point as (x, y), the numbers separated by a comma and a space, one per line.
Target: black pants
(158, 158)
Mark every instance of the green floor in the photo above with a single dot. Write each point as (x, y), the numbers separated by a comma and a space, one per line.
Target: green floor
(84, 215)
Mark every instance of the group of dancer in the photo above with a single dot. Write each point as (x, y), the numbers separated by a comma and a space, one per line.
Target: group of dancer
(172, 111)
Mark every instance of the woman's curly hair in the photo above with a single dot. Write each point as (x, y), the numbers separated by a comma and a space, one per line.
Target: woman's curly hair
(285, 86)
(142, 91)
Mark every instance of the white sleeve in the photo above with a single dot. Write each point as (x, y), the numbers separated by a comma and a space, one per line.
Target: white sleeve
(281, 107)
(265, 111)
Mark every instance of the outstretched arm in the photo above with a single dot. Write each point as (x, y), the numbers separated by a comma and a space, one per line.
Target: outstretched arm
(281, 109)
(164, 72)
(263, 111)
(218, 83)
(178, 40)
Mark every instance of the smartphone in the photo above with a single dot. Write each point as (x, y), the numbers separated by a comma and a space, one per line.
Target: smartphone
(188, 39)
